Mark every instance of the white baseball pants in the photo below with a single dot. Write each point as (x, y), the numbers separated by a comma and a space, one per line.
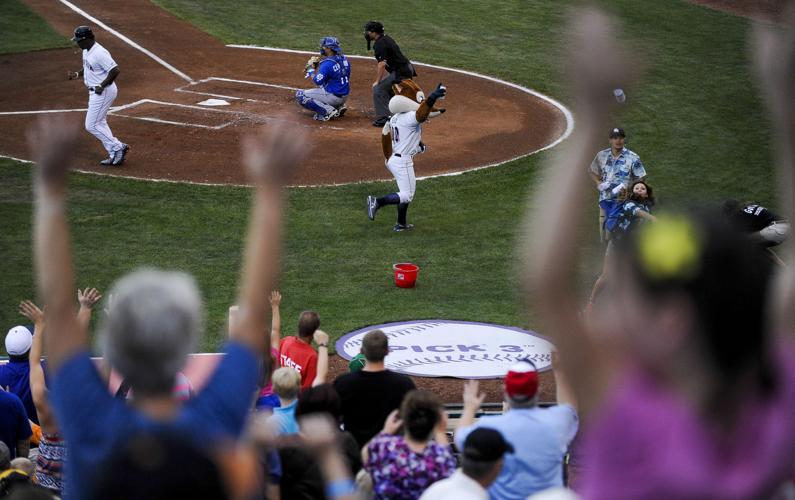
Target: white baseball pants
(96, 118)
(402, 168)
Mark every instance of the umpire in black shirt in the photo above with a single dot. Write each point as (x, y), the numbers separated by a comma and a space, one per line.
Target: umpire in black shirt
(392, 68)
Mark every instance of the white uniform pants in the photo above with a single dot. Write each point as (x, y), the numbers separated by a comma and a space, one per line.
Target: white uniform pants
(96, 118)
(402, 169)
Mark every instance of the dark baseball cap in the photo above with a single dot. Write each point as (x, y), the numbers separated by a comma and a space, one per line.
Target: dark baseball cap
(81, 33)
(374, 26)
(616, 132)
(486, 445)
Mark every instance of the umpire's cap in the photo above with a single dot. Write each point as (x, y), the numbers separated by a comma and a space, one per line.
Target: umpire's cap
(374, 26)
(82, 32)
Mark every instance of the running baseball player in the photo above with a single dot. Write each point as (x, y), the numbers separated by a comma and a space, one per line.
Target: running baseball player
(401, 140)
(99, 74)
(332, 76)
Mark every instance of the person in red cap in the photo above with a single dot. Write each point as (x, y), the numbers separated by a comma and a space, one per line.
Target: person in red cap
(539, 436)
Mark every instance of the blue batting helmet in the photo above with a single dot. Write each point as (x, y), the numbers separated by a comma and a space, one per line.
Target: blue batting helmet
(330, 42)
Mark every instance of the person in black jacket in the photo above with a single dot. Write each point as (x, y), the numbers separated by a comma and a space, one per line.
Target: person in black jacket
(392, 67)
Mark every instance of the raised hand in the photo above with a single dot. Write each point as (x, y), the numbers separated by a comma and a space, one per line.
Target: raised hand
(321, 337)
(88, 297)
(393, 423)
(597, 63)
(774, 58)
(318, 431)
(472, 398)
(275, 298)
(32, 312)
(271, 156)
(52, 143)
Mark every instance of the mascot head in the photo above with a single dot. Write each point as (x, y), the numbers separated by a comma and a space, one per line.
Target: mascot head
(408, 97)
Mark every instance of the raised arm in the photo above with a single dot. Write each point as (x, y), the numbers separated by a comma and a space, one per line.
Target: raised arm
(87, 299)
(276, 320)
(775, 63)
(38, 388)
(425, 108)
(269, 158)
(52, 142)
(553, 242)
(472, 403)
(321, 339)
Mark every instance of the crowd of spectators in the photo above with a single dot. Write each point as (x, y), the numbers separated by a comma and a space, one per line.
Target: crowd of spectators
(690, 394)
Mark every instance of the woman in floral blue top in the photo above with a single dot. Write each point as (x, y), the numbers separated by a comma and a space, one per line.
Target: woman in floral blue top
(403, 465)
(632, 211)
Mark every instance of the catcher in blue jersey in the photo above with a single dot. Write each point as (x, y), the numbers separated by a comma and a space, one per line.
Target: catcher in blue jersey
(331, 73)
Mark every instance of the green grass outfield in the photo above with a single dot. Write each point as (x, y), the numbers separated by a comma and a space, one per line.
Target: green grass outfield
(696, 121)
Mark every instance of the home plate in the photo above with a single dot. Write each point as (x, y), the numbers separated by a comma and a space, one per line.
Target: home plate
(214, 102)
(461, 349)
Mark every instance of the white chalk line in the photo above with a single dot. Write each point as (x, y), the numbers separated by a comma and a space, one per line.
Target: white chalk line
(127, 40)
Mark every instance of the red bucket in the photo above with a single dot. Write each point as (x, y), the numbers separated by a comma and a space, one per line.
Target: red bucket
(405, 274)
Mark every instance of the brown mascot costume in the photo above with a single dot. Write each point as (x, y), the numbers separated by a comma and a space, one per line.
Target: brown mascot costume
(401, 139)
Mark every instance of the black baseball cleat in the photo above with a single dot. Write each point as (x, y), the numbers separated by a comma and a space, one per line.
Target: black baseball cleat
(372, 207)
(107, 162)
(120, 155)
(380, 122)
(342, 111)
(399, 228)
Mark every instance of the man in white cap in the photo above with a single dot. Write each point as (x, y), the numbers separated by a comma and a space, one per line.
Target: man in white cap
(15, 375)
(539, 436)
(481, 463)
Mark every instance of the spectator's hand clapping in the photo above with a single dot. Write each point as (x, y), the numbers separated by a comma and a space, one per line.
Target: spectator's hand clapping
(275, 298)
(88, 297)
(271, 156)
(31, 311)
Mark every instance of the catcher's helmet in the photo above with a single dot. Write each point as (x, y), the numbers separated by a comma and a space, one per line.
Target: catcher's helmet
(81, 33)
(330, 42)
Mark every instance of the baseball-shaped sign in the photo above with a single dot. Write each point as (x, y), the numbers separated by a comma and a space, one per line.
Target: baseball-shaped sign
(462, 349)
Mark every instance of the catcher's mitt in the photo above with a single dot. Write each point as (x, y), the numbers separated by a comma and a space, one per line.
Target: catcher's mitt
(311, 65)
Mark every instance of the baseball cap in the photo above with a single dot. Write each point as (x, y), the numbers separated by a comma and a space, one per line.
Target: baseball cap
(486, 445)
(616, 132)
(521, 382)
(18, 340)
(374, 26)
(81, 33)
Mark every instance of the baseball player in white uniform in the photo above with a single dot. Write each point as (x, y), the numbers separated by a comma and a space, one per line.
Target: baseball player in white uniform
(401, 140)
(99, 73)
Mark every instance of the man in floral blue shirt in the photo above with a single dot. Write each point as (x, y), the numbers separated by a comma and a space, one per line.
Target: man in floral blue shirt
(613, 170)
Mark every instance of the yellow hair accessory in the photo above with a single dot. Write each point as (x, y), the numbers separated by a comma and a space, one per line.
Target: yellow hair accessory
(669, 248)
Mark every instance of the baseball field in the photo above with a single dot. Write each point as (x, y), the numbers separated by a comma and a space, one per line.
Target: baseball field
(696, 120)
